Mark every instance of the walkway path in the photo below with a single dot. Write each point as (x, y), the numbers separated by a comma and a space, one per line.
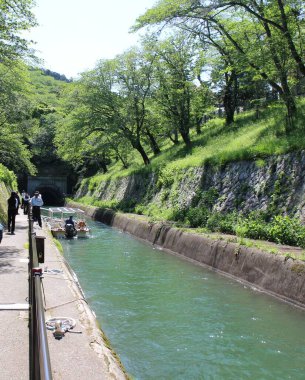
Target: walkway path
(80, 354)
(14, 336)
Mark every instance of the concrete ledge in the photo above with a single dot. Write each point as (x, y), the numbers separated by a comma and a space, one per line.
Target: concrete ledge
(274, 274)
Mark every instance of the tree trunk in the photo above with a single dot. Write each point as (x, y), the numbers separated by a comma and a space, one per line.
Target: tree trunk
(152, 142)
(120, 157)
(138, 146)
(291, 110)
(104, 167)
(186, 137)
(286, 94)
(230, 97)
(198, 125)
(287, 35)
(175, 139)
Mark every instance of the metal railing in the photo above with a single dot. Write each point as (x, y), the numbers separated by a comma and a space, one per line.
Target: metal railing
(40, 367)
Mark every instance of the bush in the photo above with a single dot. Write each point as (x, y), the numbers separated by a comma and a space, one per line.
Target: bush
(8, 177)
(220, 222)
(286, 230)
(252, 228)
(178, 215)
(197, 216)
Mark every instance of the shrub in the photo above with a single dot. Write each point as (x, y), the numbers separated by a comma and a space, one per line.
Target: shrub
(252, 228)
(8, 177)
(286, 230)
(197, 216)
(220, 222)
(178, 215)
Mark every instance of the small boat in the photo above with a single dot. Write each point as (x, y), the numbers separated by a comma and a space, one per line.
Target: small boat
(56, 222)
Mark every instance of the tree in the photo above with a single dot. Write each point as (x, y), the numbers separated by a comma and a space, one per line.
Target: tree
(174, 89)
(257, 36)
(113, 98)
(88, 135)
(15, 111)
(15, 17)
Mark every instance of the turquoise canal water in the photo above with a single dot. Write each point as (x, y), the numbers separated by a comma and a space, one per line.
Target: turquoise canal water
(170, 319)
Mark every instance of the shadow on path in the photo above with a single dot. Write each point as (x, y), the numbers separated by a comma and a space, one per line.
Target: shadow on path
(7, 254)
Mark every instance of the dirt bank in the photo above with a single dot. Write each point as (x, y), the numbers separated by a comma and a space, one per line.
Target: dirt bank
(277, 275)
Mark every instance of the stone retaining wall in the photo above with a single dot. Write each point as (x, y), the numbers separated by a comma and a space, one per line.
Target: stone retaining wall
(276, 183)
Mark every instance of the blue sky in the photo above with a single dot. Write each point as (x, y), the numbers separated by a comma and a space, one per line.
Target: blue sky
(73, 35)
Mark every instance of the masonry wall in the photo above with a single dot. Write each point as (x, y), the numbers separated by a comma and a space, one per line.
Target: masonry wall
(276, 183)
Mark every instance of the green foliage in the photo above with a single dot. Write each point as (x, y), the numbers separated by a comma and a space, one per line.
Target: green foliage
(258, 40)
(286, 230)
(8, 177)
(166, 177)
(252, 228)
(225, 223)
(90, 201)
(16, 17)
(197, 216)
(207, 198)
(8, 182)
(58, 245)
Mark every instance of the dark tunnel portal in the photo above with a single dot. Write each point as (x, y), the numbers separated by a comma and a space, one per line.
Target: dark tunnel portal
(51, 196)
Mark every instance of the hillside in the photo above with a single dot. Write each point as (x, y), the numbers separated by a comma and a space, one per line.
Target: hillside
(245, 179)
(8, 182)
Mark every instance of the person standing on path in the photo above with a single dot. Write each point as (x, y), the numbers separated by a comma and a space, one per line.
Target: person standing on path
(26, 201)
(12, 209)
(19, 202)
(37, 202)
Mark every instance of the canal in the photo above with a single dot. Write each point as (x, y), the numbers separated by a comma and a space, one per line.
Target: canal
(170, 319)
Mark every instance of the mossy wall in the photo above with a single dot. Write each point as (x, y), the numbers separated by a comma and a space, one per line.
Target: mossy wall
(4, 195)
(276, 184)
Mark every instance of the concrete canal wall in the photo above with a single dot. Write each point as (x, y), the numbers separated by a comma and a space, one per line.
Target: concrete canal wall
(277, 275)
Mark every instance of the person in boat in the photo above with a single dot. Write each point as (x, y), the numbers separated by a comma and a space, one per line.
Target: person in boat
(70, 221)
(81, 225)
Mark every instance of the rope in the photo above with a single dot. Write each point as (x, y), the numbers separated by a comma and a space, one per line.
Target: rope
(65, 323)
(65, 303)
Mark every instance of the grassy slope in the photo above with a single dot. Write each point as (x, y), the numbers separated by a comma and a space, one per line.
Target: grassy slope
(247, 138)
(7, 182)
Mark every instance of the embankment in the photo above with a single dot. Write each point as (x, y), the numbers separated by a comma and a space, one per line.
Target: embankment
(275, 185)
(4, 195)
(277, 275)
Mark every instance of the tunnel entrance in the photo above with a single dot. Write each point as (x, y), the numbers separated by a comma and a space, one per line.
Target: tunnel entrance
(51, 196)
(52, 188)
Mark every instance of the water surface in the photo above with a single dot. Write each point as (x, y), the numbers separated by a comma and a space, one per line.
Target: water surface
(170, 319)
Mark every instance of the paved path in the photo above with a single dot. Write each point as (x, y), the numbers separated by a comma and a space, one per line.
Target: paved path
(80, 354)
(14, 336)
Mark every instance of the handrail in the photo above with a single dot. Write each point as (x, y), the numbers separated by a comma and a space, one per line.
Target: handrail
(40, 366)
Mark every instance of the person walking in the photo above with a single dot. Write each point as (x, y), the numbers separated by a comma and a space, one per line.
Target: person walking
(12, 209)
(26, 202)
(36, 202)
(19, 202)
(22, 198)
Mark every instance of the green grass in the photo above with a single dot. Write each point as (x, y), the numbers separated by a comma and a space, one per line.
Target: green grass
(8, 181)
(218, 144)
(58, 245)
(246, 139)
